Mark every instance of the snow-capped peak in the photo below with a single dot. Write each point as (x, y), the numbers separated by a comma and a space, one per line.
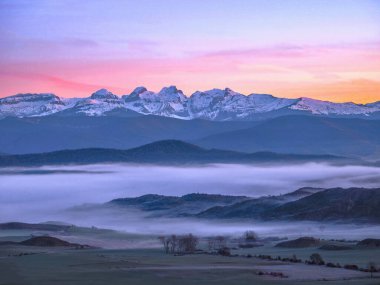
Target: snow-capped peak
(214, 104)
(325, 108)
(29, 97)
(230, 92)
(170, 89)
(138, 91)
(103, 94)
(171, 93)
(169, 102)
(30, 104)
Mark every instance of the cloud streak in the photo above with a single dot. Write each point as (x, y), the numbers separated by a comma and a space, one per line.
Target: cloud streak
(323, 72)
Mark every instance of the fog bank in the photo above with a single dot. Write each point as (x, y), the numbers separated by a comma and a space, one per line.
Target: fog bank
(42, 194)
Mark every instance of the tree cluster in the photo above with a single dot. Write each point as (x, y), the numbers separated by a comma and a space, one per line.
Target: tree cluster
(216, 243)
(250, 236)
(317, 259)
(179, 244)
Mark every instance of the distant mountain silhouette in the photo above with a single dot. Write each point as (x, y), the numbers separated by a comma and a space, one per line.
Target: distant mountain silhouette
(52, 133)
(161, 152)
(287, 134)
(176, 206)
(305, 204)
(353, 204)
(333, 204)
(304, 135)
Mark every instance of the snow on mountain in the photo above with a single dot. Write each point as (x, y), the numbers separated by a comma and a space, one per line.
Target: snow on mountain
(28, 105)
(262, 103)
(215, 104)
(98, 103)
(228, 105)
(328, 108)
(206, 104)
(174, 102)
(103, 94)
(169, 102)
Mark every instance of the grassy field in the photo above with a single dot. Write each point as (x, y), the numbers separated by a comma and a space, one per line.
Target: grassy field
(137, 259)
(152, 266)
(360, 257)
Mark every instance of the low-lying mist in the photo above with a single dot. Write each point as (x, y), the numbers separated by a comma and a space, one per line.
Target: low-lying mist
(43, 194)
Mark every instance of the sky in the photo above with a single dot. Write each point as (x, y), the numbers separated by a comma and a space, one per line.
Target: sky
(323, 49)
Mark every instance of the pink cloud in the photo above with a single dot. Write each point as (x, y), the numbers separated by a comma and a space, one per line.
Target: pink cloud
(276, 70)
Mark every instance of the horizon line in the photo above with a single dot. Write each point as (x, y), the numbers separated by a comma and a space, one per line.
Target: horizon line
(120, 95)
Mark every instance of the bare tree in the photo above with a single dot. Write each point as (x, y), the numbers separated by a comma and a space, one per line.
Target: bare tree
(216, 242)
(173, 241)
(371, 267)
(172, 244)
(165, 242)
(188, 243)
(211, 243)
(221, 242)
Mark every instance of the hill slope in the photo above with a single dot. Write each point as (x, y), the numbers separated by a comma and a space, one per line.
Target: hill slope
(332, 204)
(51, 133)
(305, 204)
(288, 134)
(176, 206)
(336, 204)
(303, 134)
(161, 152)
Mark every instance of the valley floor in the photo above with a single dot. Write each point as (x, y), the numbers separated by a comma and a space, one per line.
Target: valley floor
(153, 267)
(20, 264)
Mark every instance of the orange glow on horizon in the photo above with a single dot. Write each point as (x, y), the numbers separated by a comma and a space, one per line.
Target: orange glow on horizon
(333, 74)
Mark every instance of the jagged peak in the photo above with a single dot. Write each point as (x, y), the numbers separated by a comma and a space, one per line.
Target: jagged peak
(138, 90)
(135, 94)
(215, 92)
(170, 90)
(229, 91)
(214, 104)
(218, 91)
(103, 94)
(172, 93)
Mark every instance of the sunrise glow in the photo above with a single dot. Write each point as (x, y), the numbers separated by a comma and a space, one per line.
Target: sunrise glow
(327, 50)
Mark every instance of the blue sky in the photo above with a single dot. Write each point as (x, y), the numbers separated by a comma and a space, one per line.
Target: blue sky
(50, 34)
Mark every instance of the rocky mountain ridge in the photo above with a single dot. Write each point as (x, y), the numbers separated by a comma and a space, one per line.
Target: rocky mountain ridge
(214, 104)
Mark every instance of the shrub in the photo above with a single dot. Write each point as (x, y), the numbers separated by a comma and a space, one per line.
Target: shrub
(225, 251)
(250, 236)
(316, 258)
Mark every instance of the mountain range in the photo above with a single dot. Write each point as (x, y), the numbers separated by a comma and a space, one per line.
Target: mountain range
(357, 138)
(306, 204)
(215, 104)
(352, 204)
(214, 119)
(161, 152)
